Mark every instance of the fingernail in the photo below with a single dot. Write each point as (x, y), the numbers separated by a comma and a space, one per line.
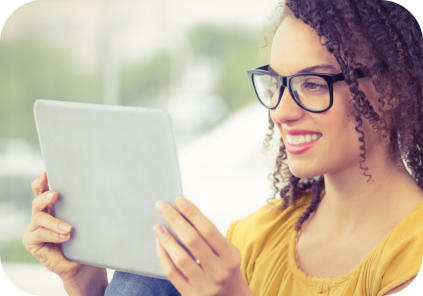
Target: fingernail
(159, 231)
(183, 203)
(162, 207)
(64, 227)
(63, 236)
(49, 196)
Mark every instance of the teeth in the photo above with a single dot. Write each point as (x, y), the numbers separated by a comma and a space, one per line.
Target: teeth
(298, 140)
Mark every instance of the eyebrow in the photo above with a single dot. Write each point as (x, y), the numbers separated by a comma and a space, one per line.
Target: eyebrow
(313, 69)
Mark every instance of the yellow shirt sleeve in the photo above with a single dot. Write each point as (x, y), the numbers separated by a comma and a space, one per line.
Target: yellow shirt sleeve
(402, 256)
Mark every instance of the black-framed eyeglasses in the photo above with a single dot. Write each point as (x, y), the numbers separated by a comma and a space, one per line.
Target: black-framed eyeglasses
(311, 91)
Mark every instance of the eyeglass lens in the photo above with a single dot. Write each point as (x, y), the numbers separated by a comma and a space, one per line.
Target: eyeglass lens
(312, 92)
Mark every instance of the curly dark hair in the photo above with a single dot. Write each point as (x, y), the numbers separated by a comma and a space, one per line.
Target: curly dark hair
(385, 39)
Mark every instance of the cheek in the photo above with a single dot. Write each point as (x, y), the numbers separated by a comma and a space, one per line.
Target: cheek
(345, 136)
(338, 149)
(341, 115)
(343, 103)
(372, 96)
(342, 140)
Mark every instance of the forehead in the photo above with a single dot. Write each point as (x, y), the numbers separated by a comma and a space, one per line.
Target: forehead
(296, 46)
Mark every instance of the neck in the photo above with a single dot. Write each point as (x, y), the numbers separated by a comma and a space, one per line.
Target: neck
(351, 204)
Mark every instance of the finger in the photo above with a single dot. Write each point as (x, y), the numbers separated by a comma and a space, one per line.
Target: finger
(50, 209)
(172, 272)
(189, 236)
(180, 258)
(40, 184)
(40, 202)
(205, 227)
(43, 219)
(43, 235)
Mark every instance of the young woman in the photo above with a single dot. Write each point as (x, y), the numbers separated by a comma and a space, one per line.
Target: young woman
(344, 87)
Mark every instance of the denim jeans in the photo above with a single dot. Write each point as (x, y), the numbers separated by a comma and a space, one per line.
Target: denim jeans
(128, 284)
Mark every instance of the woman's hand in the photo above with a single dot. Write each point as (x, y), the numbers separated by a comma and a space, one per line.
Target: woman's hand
(42, 240)
(216, 267)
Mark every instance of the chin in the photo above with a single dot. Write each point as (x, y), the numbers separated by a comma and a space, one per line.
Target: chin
(304, 172)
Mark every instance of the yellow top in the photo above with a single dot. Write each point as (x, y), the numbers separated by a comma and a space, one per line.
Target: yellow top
(267, 242)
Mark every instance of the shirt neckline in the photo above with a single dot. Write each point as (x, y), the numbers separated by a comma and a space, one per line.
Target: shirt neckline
(293, 261)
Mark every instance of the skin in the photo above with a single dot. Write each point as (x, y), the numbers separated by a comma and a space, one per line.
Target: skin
(218, 273)
(348, 200)
(351, 208)
(219, 270)
(42, 240)
(350, 205)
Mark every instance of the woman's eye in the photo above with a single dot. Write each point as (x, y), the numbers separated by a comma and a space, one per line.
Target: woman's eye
(314, 86)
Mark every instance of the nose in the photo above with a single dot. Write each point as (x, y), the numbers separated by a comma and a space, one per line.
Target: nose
(287, 110)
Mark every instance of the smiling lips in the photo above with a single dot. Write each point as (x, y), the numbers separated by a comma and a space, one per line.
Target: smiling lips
(298, 141)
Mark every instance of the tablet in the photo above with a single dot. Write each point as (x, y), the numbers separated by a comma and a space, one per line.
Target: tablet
(109, 164)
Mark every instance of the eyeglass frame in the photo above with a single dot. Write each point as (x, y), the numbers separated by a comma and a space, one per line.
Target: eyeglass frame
(285, 81)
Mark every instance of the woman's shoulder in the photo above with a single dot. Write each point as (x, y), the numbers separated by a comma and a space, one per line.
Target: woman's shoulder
(401, 256)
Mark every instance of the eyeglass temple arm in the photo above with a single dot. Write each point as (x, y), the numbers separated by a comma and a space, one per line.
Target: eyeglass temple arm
(359, 73)
(365, 71)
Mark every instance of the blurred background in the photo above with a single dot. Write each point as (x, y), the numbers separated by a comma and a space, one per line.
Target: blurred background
(187, 57)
